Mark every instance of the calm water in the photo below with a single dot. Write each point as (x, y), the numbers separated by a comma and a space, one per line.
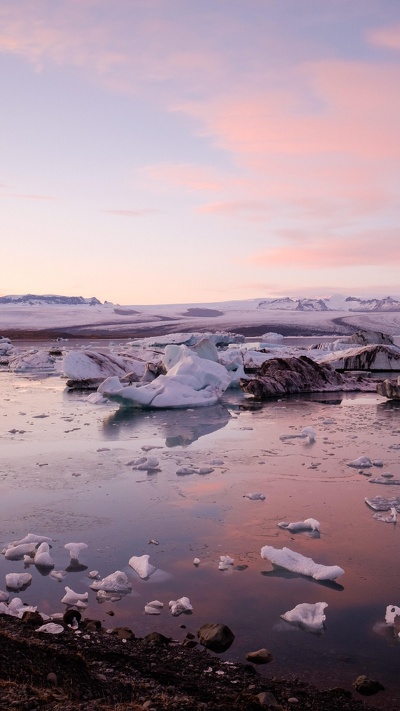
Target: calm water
(64, 475)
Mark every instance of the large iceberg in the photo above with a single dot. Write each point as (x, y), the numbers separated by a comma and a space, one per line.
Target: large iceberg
(190, 381)
(297, 563)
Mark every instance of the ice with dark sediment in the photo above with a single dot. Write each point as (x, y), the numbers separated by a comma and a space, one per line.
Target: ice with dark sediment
(177, 607)
(382, 503)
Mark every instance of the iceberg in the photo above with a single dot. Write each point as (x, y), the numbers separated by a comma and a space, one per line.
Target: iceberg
(16, 581)
(141, 566)
(297, 563)
(181, 605)
(74, 599)
(42, 557)
(115, 582)
(190, 382)
(309, 616)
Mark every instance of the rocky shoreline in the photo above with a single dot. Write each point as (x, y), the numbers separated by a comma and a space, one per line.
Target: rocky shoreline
(89, 669)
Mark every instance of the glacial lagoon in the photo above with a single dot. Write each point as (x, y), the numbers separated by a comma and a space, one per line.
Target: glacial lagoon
(64, 474)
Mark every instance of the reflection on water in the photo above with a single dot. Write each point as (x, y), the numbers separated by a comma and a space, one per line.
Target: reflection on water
(179, 427)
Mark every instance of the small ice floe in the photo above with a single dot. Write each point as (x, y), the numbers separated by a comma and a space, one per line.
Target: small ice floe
(16, 581)
(43, 558)
(310, 524)
(15, 608)
(217, 462)
(196, 561)
(254, 497)
(185, 471)
(4, 596)
(306, 433)
(75, 549)
(33, 538)
(58, 574)
(391, 613)
(389, 481)
(309, 616)
(145, 464)
(19, 551)
(115, 582)
(381, 503)
(50, 628)
(94, 574)
(225, 561)
(75, 599)
(153, 542)
(387, 519)
(297, 563)
(141, 566)
(153, 608)
(361, 463)
(181, 605)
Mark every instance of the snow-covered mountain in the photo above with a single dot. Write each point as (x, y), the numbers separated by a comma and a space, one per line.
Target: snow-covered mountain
(331, 303)
(35, 299)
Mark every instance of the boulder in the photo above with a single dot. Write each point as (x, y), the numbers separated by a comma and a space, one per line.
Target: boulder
(367, 686)
(261, 656)
(215, 636)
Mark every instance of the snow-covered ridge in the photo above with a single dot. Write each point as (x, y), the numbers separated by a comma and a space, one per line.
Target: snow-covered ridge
(331, 303)
(35, 299)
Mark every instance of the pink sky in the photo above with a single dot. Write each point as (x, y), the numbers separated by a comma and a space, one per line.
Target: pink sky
(160, 151)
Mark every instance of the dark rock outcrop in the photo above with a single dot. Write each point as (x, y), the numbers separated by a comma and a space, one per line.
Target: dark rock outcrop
(215, 636)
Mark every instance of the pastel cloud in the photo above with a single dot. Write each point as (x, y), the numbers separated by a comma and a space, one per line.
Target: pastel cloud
(192, 178)
(373, 247)
(144, 212)
(386, 37)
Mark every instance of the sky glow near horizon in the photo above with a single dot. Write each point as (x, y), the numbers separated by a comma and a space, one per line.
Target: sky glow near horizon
(171, 151)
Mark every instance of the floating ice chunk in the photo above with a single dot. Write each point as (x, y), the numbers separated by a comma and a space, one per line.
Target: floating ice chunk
(254, 497)
(33, 538)
(4, 596)
(204, 470)
(380, 503)
(306, 432)
(42, 557)
(181, 605)
(185, 471)
(384, 480)
(94, 574)
(297, 563)
(307, 615)
(310, 524)
(16, 581)
(75, 549)
(51, 628)
(378, 462)
(145, 463)
(225, 561)
(15, 608)
(17, 552)
(154, 607)
(387, 519)
(196, 561)
(115, 582)
(360, 463)
(58, 574)
(391, 613)
(141, 565)
(74, 599)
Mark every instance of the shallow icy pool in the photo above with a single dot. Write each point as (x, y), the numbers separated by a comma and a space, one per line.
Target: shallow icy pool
(64, 474)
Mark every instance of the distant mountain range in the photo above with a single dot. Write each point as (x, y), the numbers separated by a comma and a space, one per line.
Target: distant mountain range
(332, 303)
(336, 302)
(34, 299)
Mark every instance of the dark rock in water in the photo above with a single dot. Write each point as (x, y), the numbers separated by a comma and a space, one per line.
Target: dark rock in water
(32, 618)
(366, 686)
(156, 638)
(389, 389)
(91, 625)
(123, 633)
(261, 656)
(70, 615)
(215, 636)
(282, 376)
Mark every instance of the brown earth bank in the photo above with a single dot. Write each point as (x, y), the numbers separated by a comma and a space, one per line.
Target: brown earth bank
(115, 672)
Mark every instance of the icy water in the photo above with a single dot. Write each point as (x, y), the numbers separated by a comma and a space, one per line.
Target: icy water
(64, 474)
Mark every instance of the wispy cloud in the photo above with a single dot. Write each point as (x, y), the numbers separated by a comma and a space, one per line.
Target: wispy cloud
(386, 37)
(192, 178)
(27, 196)
(144, 212)
(373, 247)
